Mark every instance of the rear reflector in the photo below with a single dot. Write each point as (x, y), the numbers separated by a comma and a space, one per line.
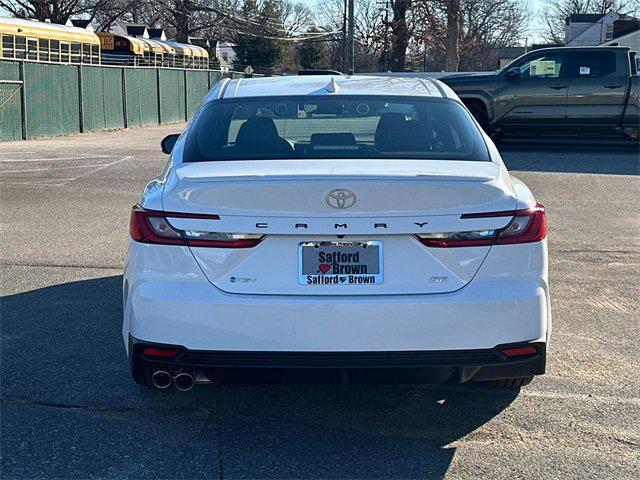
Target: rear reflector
(528, 225)
(159, 352)
(519, 351)
(150, 226)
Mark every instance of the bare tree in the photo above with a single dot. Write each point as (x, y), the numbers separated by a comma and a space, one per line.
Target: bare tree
(483, 27)
(453, 35)
(369, 32)
(56, 11)
(296, 17)
(182, 18)
(400, 33)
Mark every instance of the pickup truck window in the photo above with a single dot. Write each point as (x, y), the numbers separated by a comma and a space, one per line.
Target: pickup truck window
(591, 64)
(542, 66)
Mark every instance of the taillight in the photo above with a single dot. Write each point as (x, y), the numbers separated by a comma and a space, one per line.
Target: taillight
(160, 352)
(150, 226)
(519, 351)
(528, 225)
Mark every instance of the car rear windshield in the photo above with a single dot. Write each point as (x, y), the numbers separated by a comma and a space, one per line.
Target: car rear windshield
(334, 127)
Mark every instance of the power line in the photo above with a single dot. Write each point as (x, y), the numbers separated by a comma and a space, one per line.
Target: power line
(288, 39)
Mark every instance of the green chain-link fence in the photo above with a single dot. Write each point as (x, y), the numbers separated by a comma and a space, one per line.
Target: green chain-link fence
(47, 99)
(102, 102)
(141, 87)
(52, 99)
(196, 83)
(172, 95)
(10, 101)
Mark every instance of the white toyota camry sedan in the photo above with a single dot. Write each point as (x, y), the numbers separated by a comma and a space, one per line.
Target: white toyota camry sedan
(362, 227)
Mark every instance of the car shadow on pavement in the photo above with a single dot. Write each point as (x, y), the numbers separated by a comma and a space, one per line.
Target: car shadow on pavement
(70, 409)
(572, 159)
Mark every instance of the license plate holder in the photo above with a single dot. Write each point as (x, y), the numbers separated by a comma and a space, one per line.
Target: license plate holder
(336, 263)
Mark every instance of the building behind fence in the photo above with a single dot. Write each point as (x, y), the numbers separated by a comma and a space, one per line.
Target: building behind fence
(49, 99)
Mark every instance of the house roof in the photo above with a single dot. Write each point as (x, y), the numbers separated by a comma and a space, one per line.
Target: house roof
(200, 41)
(622, 38)
(136, 30)
(156, 32)
(511, 52)
(584, 17)
(80, 22)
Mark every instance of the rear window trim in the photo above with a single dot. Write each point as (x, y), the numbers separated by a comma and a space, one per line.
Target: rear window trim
(391, 98)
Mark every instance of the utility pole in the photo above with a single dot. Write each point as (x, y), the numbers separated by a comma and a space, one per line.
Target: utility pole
(343, 56)
(351, 46)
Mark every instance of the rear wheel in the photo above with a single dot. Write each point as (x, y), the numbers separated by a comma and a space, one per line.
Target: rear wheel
(508, 382)
(481, 116)
(479, 112)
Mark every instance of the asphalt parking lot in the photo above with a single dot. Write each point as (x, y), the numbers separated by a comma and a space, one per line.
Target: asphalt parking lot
(70, 410)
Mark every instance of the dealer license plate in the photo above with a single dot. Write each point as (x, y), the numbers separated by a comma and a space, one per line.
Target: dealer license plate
(340, 263)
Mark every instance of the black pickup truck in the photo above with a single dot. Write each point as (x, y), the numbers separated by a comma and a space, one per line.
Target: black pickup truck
(581, 91)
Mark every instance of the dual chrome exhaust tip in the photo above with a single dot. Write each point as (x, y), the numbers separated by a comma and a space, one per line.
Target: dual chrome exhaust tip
(183, 381)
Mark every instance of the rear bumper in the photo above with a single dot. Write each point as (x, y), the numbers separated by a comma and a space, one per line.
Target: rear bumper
(168, 300)
(450, 366)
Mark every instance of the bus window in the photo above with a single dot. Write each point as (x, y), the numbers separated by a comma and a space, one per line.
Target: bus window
(32, 48)
(43, 47)
(86, 53)
(75, 52)
(21, 47)
(7, 46)
(55, 50)
(95, 54)
(64, 52)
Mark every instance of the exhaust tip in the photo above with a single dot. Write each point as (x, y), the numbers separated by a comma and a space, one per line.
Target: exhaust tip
(184, 381)
(161, 379)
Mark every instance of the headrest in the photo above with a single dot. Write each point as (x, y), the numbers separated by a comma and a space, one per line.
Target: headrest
(395, 133)
(258, 134)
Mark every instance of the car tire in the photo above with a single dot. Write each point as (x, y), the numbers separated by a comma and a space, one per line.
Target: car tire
(482, 118)
(507, 383)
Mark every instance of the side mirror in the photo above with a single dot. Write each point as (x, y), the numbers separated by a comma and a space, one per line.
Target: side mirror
(169, 142)
(513, 73)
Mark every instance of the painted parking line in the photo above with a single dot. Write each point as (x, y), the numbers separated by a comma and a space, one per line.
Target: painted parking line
(106, 165)
(13, 152)
(58, 182)
(44, 169)
(52, 159)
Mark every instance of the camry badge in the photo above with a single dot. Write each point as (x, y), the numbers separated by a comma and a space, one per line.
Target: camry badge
(341, 198)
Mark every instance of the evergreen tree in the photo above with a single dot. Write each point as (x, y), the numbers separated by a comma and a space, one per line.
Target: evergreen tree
(257, 43)
(314, 53)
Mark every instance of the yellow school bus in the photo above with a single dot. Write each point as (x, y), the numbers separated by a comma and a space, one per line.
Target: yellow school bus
(47, 42)
(126, 49)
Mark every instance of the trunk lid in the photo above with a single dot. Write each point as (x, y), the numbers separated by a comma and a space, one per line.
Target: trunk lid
(295, 202)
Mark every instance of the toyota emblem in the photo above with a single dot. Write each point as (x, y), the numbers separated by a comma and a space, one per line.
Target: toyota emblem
(341, 198)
